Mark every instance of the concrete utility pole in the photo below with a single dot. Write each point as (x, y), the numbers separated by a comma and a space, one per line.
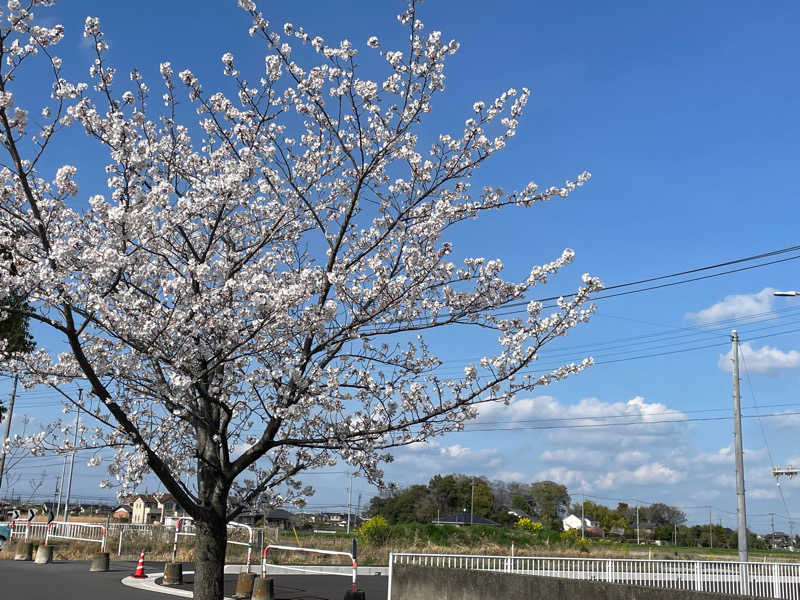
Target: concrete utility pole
(637, 525)
(472, 502)
(8, 428)
(772, 526)
(74, 449)
(710, 529)
(349, 501)
(741, 510)
(61, 485)
(583, 501)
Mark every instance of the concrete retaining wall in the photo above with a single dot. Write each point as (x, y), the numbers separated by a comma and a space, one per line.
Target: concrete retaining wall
(437, 583)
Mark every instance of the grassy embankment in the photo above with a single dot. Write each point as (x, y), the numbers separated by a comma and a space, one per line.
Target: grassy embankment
(414, 538)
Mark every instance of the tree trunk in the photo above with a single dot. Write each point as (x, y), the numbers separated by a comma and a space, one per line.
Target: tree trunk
(209, 557)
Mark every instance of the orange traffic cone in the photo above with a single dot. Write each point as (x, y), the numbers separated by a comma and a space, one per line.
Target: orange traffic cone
(139, 574)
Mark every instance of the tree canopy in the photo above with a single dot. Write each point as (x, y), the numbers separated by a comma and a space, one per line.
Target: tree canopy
(249, 298)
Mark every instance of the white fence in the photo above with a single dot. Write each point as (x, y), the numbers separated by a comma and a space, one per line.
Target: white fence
(760, 580)
(21, 528)
(84, 532)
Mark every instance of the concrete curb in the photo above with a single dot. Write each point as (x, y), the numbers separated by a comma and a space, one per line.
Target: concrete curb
(150, 584)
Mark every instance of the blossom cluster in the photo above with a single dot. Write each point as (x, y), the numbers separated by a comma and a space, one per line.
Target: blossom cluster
(246, 294)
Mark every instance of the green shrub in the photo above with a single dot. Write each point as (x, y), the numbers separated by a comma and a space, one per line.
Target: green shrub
(375, 531)
(525, 524)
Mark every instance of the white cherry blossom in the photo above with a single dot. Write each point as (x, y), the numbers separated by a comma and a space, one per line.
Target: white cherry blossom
(249, 298)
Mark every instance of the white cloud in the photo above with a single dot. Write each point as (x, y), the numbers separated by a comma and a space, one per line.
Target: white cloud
(574, 456)
(758, 306)
(645, 474)
(631, 424)
(433, 457)
(632, 456)
(762, 493)
(510, 476)
(761, 360)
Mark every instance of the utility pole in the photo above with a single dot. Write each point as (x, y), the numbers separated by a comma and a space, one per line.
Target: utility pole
(772, 526)
(710, 529)
(637, 525)
(55, 492)
(741, 510)
(74, 449)
(472, 502)
(349, 501)
(583, 501)
(61, 487)
(8, 428)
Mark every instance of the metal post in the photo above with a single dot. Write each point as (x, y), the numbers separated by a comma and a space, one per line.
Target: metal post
(74, 448)
(389, 586)
(741, 510)
(8, 428)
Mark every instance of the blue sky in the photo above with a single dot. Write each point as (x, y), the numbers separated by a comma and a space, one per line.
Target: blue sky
(686, 115)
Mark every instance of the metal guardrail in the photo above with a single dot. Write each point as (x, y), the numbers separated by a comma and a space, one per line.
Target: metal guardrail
(760, 580)
(85, 532)
(28, 530)
(352, 557)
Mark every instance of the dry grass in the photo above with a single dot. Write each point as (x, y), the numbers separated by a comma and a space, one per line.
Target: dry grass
(160, 549)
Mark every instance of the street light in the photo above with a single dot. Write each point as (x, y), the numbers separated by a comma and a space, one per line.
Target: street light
(789, 293)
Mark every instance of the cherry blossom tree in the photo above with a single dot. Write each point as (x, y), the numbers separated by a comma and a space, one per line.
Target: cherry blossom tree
(249, 298)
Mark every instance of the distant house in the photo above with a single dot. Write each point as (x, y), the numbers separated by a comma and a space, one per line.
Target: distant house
(122, 512)
(463, 518)
(155, 508)
(778, 540)
(518, 513)
(590, 526)
(278, 517)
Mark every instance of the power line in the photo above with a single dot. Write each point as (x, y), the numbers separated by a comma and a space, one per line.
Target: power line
(628, 424)
(602, 296)
(763, 432)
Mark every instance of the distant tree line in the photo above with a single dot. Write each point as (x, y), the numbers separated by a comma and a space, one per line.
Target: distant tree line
(547, 502)
(446, 495)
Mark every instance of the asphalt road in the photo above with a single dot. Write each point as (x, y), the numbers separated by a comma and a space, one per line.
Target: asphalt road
(71, 580)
